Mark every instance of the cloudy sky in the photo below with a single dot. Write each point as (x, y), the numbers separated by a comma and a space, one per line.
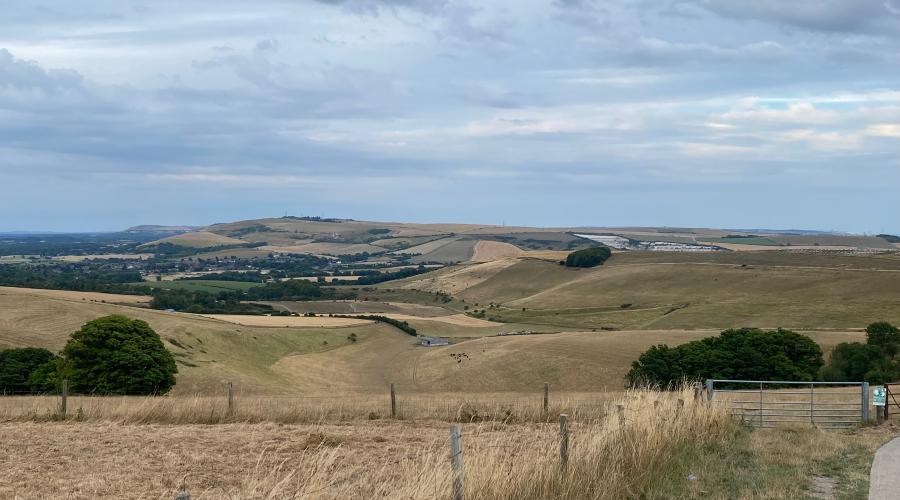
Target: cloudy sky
(716, 113)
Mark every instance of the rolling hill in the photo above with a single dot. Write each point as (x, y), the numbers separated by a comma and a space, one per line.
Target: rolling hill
(450, 243)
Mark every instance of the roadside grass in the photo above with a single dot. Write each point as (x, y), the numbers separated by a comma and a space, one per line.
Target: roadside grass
(786, 462)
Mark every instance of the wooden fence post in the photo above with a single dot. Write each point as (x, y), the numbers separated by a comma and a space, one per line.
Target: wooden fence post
(393, 401)
(621, 411)
(563, 441)
(456, 462)
(230, 399)
(64, 395)
(546, 397)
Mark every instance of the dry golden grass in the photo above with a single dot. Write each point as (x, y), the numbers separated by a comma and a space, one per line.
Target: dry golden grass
(608, 459)
(111, 298)
(197, 239)
(345, 406)
(286, 321)
(486, 251)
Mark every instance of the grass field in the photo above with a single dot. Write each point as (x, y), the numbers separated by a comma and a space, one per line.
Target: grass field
(648, 455)
(197, 239)
(212, 286)
(209, 352)
(267, 360)
(652, 290)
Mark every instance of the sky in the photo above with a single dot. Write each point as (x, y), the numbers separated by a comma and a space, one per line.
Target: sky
(688, 113)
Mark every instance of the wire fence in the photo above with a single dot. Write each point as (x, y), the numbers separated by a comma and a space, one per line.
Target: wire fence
(230, 404)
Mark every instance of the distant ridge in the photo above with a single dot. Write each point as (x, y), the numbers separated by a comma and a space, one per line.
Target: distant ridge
(152, 228)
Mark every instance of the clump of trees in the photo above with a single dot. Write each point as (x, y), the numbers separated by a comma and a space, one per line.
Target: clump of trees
(27, 369)
(748, 354)
(109, 355)
(588, 257)
(876, 361)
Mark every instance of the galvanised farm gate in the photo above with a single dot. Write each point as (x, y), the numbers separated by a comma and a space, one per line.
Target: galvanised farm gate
(768, 403)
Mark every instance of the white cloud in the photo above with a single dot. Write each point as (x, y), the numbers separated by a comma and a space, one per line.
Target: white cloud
(891, 130)
(823, 141)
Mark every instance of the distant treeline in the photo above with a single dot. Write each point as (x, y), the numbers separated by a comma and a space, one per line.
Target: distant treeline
(59, 277)
(253, 276)
(403, 325)
(890, 238)
(380, 277)
(235, 302)
(72, 244)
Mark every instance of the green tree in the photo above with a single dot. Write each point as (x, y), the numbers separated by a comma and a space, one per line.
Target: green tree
(875, 361)
(588, 257)
(885, 336)
(735, 354)
(18, 365)
(118, 355)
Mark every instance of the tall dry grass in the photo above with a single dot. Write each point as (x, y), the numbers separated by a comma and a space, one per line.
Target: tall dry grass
(450, 407)
(609, 459)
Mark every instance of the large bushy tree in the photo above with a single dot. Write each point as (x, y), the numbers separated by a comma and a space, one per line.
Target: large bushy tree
(747, 354)
(118, 355)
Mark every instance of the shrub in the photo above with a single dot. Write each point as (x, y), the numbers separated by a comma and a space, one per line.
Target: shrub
(735, 354)
(118, 355)
(17, 366)
(874, 362)
(588, 257)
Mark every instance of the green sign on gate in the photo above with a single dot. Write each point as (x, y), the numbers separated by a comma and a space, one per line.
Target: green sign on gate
(879, 396)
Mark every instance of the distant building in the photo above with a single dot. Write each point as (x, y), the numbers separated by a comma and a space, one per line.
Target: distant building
(433, 341)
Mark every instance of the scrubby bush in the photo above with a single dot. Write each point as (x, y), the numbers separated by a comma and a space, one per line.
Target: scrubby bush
(748, 354)
(588, 257)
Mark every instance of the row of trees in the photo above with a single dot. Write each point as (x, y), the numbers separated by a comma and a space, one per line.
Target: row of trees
(234, 302)
(109, 355)
(753, 354)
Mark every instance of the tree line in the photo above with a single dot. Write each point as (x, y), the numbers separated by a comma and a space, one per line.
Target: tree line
(754, 354)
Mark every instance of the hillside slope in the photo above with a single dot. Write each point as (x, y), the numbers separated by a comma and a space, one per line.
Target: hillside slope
(650, 290)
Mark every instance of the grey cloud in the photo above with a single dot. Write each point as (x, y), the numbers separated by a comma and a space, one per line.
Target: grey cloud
(848, 16)
(26, 75)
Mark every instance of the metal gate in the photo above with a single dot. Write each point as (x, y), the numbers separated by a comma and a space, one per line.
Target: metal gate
(770, 403)
(892, 400)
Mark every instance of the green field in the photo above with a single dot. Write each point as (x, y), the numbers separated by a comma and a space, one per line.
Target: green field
(212, 286)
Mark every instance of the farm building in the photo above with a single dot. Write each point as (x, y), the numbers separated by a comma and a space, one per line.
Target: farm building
(433, 341)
